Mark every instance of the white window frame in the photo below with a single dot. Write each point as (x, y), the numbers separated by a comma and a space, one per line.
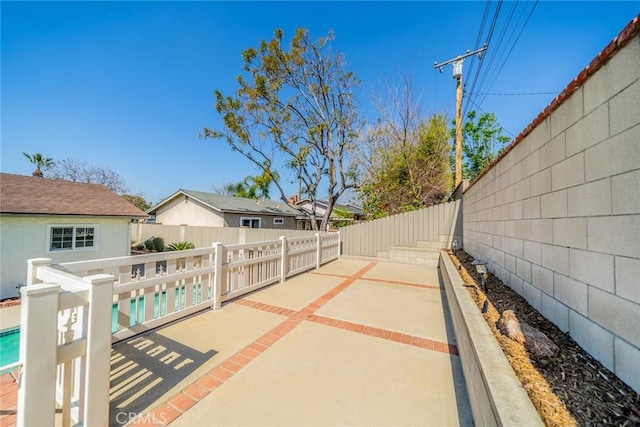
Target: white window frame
(251, 219)
(278, 221)
(73, 247)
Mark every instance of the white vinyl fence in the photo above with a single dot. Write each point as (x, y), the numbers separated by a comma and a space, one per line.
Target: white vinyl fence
(434, 224)
(72, 312)
(203, 236)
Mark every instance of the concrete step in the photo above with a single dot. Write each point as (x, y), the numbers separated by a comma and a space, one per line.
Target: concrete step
(414, 255)
(431, 245)
(382, 255)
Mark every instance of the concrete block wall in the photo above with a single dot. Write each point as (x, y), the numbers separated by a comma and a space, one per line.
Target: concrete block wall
(558, 215)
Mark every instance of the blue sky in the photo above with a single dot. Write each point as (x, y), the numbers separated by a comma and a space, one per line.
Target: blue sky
(129, 85)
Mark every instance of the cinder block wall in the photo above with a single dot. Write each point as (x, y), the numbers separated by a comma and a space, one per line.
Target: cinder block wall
(558, 216)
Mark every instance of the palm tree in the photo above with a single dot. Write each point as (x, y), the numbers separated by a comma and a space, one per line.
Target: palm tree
(260, 183)
(253, 187)
(40, 161)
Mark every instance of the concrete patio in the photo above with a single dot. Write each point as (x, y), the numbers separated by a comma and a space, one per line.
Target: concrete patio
(356, 342)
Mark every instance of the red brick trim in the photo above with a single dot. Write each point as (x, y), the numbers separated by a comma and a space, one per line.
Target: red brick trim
(386, 334)
(391, 282)
(8, 400)
(627, 34)
(192, 394)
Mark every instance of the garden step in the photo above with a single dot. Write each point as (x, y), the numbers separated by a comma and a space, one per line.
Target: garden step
(431, 245)
(414, 255)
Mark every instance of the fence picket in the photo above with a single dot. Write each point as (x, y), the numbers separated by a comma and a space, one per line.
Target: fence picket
(405, 229)
(147, 291)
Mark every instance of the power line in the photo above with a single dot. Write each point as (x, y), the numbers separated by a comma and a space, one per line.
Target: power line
(487, 74)
(481, 110)
(488, 41)
(485, 15)
(514, 44)
(499, 49)
(514, 94)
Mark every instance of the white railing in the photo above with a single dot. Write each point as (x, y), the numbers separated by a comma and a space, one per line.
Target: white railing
(251, 266)
(303, 252)
(64, 346)
(72, 312)
(154, 289)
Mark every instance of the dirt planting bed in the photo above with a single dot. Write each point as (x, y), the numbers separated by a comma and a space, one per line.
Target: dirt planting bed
(571, 388)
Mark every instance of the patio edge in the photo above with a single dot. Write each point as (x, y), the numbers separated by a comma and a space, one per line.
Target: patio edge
(495, 393)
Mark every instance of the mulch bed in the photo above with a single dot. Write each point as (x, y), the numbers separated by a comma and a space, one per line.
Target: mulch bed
(569, 389)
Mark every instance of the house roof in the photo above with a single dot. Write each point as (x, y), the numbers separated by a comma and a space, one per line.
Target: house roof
(21, 194)
(349, 208)
(232, 204)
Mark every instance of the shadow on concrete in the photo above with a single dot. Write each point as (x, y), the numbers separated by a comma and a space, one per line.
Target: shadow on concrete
(143, 369)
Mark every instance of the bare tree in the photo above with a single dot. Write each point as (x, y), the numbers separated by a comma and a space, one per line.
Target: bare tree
(224, 189)
(404, 156)
(80, 171)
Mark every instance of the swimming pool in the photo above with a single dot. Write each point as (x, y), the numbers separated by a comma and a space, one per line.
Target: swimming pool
(10, 338)
(9, 346)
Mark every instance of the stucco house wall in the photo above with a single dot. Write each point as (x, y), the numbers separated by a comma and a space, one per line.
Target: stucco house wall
(25, 237)
(185, 210)
(196, 208)
(266, 221)
(30, 206)
(558, 216)
(306, 204)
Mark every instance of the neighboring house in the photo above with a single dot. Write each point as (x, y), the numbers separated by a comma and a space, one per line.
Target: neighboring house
(341, 213)
(62, 220)
(187, 207)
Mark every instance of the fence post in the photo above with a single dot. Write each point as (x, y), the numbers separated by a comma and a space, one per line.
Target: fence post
(318, 251)
(98, 354)
(218, 276)
(339, 244)
(38, 341)
(284, 259)
(32, 269)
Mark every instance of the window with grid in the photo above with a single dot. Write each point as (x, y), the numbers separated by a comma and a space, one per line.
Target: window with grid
(71, 237)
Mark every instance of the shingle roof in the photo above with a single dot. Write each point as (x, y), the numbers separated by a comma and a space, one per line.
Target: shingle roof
(349, 208)
(237, 204)
(21, 194)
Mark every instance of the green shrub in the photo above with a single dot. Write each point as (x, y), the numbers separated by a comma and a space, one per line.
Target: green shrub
(180, 246)
(149, 243)
(158, 244)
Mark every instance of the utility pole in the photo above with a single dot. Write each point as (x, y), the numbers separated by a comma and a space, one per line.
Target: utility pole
(457, 74)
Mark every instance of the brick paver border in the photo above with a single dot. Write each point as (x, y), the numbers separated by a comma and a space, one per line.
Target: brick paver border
(192, 394)
(179, 403)
(386, 281)
(8, 400)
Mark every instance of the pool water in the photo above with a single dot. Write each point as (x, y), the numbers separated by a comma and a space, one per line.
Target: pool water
(10, 338)
(9, 346)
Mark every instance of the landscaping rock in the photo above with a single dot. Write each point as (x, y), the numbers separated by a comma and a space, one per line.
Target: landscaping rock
(509, 325)
(537, 343)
